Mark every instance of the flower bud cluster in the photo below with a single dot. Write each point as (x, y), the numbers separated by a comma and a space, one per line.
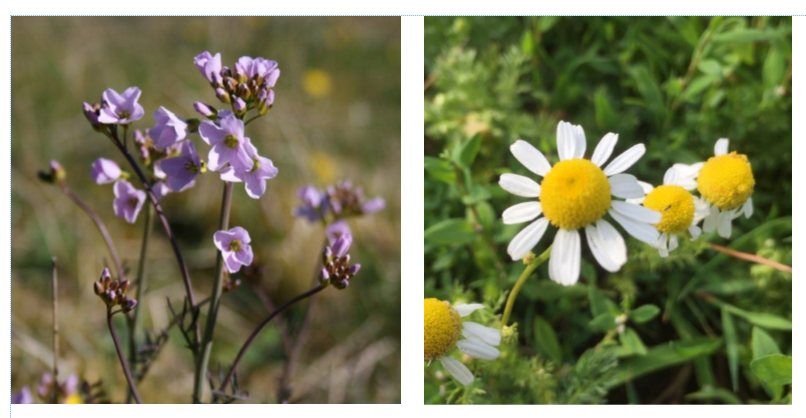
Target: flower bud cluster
(113, 292)
(336, 267)
(248, 85)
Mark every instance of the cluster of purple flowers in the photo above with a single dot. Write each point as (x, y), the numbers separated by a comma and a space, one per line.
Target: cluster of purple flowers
(336, 267)
(113, 292)
(248, 85)
(49, 390)
(338, 201)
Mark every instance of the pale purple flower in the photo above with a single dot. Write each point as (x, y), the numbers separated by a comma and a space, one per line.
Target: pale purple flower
(23, 396)
(234, 247)
(181, 171)
(227, 141)
(91, 112)
(265, 70)
(314, 203)
(105, 171)
(121, 108)
(210, 66)
(346, 199)
(128, 201)
(204, 109)
(254, 179)
(337, 229)
(168, 129)
(160, 190)
(336, 267)
(373, 205)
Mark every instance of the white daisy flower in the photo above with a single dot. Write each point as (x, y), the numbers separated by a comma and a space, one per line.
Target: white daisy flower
(445, 330)
(680, 210)
(577, 193)
(726, 182)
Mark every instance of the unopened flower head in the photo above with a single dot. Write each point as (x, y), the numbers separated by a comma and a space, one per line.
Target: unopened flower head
(576, 193)
(445, 331)
(209, 66)
(726, 182)
(336, 267)
(121, 108)
(92, 111)
(255, 178)
(181, 171)
(105, 171)
(337, 229)
(228, 143)
(680, 210)
(249, 85)
(54, 174)
(128, 201)
(114, 292)
(313, 203)
(234, 247)
(168, 129)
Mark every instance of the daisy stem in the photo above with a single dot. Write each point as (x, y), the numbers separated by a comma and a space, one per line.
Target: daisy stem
(215, 300)
(527, 271)
(141, 281)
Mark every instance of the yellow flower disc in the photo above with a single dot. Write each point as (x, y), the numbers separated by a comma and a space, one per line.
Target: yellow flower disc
(676, 206)
(442, 328)
(574, 193)
(726, 181)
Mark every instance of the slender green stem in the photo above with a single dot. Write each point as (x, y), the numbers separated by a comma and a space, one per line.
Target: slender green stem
(215, 300)
(55, 284)
(527, 271)
(141, 283)
(123, 364)
(260, 327)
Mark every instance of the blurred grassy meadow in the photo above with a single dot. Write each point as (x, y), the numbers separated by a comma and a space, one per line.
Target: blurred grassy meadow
(336, 117)
(676, 84)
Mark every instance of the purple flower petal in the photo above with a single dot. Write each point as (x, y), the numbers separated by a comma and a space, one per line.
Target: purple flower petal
(105, 171)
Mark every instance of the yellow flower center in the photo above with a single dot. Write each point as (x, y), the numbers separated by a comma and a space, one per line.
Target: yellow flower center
(726, 181)
(574, 193)
(676, 206)
(442, 328)
(74, 399)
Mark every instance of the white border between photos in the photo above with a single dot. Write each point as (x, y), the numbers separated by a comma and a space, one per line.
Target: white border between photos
(412, 200)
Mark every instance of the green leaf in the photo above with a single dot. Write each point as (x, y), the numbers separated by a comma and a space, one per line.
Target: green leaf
(731, 348)
(774, 68)
(546, 341)
(749, 35)
(441, 170)
(465, 152)
(632, 342)
(450, 232)
(603, 322)
(712, 394)
(662, 356)
(774, 370)
(763, 344)
(644, 313)
(600, 303)
(710, 67)
(761, 319)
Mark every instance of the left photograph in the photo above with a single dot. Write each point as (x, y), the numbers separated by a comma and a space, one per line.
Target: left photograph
(205, 210)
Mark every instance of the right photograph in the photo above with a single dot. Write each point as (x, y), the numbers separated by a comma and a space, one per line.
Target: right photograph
(608, 210)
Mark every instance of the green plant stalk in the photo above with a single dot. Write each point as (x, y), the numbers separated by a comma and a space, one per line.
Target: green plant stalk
(215, 300)
(141, 283)
(527, 271)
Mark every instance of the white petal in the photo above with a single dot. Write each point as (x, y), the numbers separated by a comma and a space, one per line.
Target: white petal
(724, 224)
(564, 263)
(519, 185)
(636, 212)
(701, 209)
(711, 220)
(459, 371)
(487, 335)
(607, 245)
(663, 245)
(641, 231)
(530, 157)
(721, 146)
(625, 186)
(525, 240)
(695, 232)
(683, 175)
(625, 160)
(581, 142)
(604, 149)
(646, 186)
(673, 242)
(747, 208)
(478, 349)
(521, 212)
(566, 140)
(465, 309)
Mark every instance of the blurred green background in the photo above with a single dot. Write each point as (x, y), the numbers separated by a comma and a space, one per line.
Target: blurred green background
(336, 117)
(676, 84)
